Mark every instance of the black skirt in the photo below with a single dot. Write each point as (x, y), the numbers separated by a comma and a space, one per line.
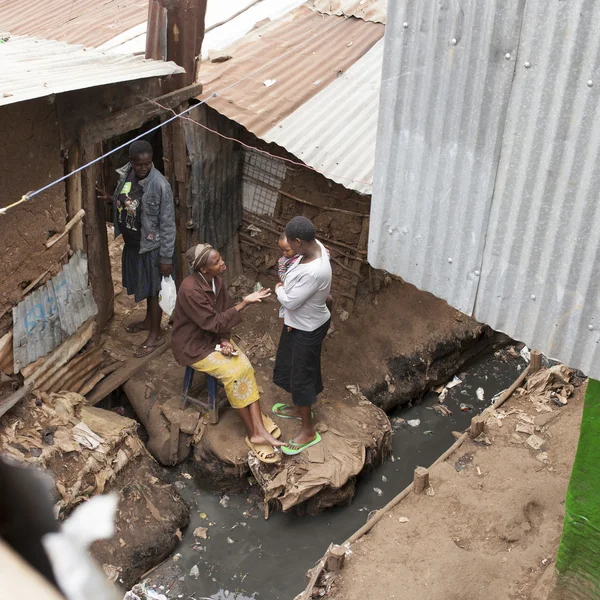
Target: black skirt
(298, 364)
(141, 272)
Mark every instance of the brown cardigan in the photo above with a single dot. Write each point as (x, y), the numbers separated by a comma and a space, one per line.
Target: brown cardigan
(201, 319)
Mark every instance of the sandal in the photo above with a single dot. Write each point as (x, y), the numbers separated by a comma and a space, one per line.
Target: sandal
(147, 349)
(264, 452)
(271, 426)
(136, 327)
(279, 411)
(292, 448)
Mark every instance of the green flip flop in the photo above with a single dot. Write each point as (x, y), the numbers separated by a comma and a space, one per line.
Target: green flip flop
(291, 448)
(277, 410)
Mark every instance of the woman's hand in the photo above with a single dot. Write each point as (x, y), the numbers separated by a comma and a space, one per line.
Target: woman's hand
(278, 286)
(227, 348)
(257, 296)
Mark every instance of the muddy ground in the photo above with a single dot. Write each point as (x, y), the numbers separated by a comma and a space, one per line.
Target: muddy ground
(492, 525)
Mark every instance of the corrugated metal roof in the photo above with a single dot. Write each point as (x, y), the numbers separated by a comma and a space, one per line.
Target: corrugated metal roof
(90, 23)
(329, 45)
(540, 279)
(440, 125)
(504, 186)
(53, 312)
(369, 10)
(335, 131)
(34, 68)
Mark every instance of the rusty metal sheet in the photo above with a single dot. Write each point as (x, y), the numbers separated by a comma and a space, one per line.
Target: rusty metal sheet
(284, 64)
(53, 312)
(90, 23)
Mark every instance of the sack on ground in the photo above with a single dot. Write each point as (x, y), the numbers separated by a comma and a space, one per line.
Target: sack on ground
(167, 295)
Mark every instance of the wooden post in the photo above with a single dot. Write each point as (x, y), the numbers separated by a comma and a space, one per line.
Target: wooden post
(421, 480)
(535, 361)
(179, 150)
(75, 199)
(357, 263)
(477, 426)
(335, 558)
(97, 239)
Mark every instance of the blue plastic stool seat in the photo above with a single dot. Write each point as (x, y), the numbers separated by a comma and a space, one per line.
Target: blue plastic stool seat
(211, 404)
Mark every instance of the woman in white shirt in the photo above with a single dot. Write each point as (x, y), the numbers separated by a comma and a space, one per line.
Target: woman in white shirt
(306, 317)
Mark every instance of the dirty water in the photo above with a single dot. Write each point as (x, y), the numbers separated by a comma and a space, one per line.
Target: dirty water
(246, 557)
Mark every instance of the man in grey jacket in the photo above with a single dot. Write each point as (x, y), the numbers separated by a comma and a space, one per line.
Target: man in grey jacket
(144, 214)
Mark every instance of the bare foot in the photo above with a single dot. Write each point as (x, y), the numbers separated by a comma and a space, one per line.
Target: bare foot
(264, 437)
(137, 327)
(153, 339)
(292, 411)
(304, 437)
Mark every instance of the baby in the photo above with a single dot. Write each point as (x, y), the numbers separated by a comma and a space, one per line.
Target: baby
(287, 260)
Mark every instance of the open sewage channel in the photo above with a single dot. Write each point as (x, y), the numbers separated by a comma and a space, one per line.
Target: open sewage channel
(245, 556)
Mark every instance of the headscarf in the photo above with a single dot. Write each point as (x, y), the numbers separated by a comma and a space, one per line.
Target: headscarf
(198, 256)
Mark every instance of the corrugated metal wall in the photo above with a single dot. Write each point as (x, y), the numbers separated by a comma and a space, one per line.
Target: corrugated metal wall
(215, 189)
(487, 167)
(53, 312)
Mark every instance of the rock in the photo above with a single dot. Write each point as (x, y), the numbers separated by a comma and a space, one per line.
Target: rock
(543, 420)
(218, 56)
(535, 442)
(527, 428)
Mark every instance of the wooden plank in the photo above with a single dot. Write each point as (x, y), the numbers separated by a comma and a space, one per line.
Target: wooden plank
(75, 199)
(357, 264)
(7, 403)
(74, 222)
(124, 373)
(131, 118)
(100, 275)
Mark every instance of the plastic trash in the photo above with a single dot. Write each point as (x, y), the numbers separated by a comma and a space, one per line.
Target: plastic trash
(195, 572)
(378, 491)
(480, 394)
(414, 422)
(466, 407)
(167, 295)
(525, 354)
(455, 381)
(76, 572)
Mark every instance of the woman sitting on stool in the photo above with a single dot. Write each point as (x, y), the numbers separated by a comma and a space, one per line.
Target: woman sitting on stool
(202, 321)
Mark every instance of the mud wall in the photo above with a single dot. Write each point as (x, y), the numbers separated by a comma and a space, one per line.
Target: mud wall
(340, 215)
(29, 158)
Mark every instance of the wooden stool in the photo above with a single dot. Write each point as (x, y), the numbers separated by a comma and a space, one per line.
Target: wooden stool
(188, 395)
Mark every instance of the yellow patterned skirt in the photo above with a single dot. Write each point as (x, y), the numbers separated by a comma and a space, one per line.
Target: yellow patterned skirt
(235, 373)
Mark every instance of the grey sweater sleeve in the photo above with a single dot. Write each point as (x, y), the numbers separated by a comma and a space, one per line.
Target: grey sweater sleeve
(167, 225)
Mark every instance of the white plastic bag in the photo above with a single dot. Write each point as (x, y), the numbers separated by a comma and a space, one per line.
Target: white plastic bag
(167, 295)
(77, 574)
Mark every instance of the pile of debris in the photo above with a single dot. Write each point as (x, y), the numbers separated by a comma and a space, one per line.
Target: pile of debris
(548, 390)
(82, 446)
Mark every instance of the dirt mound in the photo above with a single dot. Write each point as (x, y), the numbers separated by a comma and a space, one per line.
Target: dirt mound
(149, 521)
(396, 345)
(91, 451)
